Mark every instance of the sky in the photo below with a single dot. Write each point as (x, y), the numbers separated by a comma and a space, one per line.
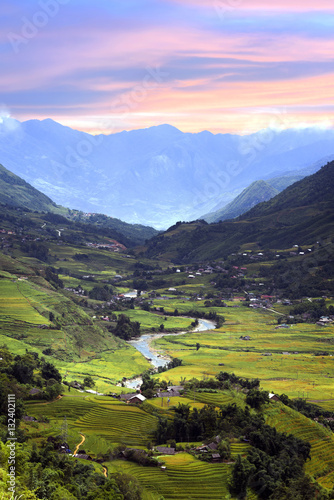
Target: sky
(228, 66)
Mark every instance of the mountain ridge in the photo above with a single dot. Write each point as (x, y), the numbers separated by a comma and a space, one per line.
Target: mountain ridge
(181, 175)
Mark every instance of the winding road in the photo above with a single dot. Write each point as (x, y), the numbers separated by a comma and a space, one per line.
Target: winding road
(81, 442)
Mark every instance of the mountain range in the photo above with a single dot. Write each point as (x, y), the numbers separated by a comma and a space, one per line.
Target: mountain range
(302, 214)
(158, 175)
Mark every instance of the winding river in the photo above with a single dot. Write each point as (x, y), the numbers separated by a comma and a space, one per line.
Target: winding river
(143, 345)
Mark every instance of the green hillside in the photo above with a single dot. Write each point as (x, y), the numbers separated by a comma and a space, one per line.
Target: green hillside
(257, 192)
(302, 214)
(17, 192)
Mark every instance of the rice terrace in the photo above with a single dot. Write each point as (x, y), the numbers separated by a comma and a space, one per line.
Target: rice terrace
(164, 376)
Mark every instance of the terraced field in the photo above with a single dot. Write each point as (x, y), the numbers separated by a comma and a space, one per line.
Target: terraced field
(17, 303)
(161, 403)
(185, 478)
(239, 449)
(217, 399)
(102, 420)
(325, 404)
(118, 423)
(321, 465)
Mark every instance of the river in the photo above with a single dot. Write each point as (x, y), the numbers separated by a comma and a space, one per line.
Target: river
(143, 345)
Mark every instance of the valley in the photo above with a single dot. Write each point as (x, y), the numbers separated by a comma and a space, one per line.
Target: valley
(224, 317)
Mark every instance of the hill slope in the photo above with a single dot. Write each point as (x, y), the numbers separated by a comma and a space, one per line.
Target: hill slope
(15, 192)
(301, 214)
(257, 192)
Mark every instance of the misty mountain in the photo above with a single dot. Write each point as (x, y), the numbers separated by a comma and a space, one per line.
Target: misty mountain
(153, 176)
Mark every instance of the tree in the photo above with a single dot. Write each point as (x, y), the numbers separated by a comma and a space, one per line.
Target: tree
(241, 473)
(88, 382)
(224, 449)
(50, 371)
(256, 398)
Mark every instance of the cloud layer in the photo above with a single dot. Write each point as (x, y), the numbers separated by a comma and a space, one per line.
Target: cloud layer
(226, 66)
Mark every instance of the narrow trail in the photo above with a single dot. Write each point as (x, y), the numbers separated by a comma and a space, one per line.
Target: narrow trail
(81, 442)
(105, 471)
(276, 312)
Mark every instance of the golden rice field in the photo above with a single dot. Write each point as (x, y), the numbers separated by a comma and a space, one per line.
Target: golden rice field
(292, 366)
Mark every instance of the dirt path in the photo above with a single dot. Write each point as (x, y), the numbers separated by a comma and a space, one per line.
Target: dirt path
(81, 442)
(105, 471)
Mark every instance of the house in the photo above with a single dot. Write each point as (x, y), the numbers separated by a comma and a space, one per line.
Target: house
(273, 397)
(212, 446)
(138, 398)
(26, 418)
(165, 450)
(127, 397)
(84, 456)
(215, 457)
(325, 319)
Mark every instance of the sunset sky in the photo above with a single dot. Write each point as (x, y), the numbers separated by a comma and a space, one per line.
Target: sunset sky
(222, 65)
